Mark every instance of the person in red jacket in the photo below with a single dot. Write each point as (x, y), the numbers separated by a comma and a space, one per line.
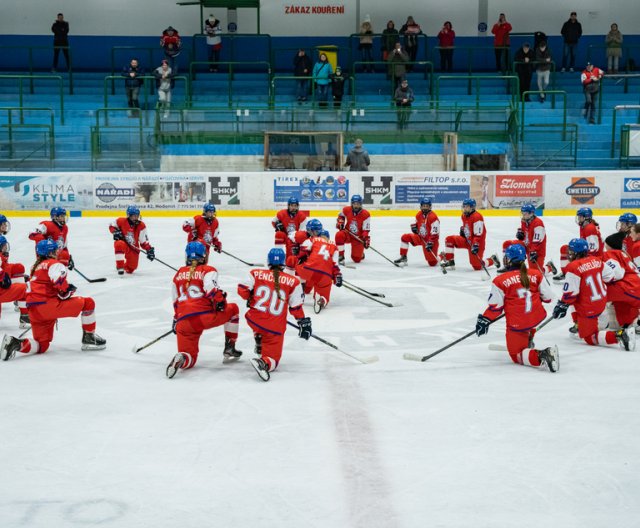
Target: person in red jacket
(501, 43)
(287, 223)
(353, 221)
(57, 230)
(425, 232)
(446, 42)
(204, 228)
(271, 294)
(50, 297)
(171, 43)
(532, 236)
(130, 235)
(12, 283)
(520, 292)
(590, 79)
(584, 289)
(318, 265)
(473, 235)
(200, 304)
(589, 231)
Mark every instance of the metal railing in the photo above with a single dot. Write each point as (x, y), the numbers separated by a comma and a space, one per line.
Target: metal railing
(30, 64)
(354, 43)
(523, 107)
(616, 109)
(13, 124)
(31, 79)
(512, 82)
(262, 44)
(388, 66)
(472, 53)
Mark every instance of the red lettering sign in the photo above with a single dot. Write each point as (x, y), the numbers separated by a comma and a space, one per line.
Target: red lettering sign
(519, 186)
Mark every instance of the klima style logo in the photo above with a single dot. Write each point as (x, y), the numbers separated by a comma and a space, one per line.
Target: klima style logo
(632, 184)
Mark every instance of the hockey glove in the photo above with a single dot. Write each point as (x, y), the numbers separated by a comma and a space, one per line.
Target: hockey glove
(482, 325)
(6, 282)
(337, 279)
(219, 301)
(428, 246)
(340, 224)
(560, 310)
(474, 249)
(520, 234)
(295, 249)
(463, 234)
(117, 235)
(533, 256)
(151, 253)
(414, 229)
(217, 245)
(66, 294)
(304, 328)
(279, 226)
(71, 264)
(367, 241)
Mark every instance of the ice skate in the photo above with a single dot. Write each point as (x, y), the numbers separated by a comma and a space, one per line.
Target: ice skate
(92, 341)
(447, 264)
(318, 304)
(402, 261)
(177, 361)
(552, 267)
(230, 353)
(626, 339)
(25, 322)
(16, 308)
(496, 262)
(550, 358)
(341, 260)
(261, 368)
(10, 345)
(257, 349)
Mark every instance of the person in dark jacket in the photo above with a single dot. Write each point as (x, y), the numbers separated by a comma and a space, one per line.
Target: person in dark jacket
(571, 33)
(60, 30)
(302, 68)
(358, 158)
(389, 38)
(411, 30)
(524, 68)
(132, 74)
(337, 87)
(403, 99)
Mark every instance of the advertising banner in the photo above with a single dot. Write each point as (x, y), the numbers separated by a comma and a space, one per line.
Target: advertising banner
(72, 191)
(314, 189)
(446, 190)
(630, 198)
(513, 191)
(571, 190)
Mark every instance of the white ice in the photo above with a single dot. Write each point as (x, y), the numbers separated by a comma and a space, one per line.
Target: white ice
(467, 439)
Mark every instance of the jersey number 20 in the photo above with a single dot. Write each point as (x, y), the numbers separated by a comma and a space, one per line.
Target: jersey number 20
(265, 295)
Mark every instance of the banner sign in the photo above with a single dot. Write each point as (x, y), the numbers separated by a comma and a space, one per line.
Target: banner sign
(68, 190)
(314, 188)
(446, 190)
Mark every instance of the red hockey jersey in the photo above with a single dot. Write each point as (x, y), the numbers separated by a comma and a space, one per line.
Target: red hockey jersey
(199, 228)
(535, 236)
(48, 279)
(48, 229)
(323, 255)
(624, 283)
(135, 235)
(358, 223)
(297, 222)
(584, 286)
(474, 228)
(591, 233)
(428, 226)
(192, 291)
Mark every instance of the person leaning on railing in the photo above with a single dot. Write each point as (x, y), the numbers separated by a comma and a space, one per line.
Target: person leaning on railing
(590, 79)
(133, 74)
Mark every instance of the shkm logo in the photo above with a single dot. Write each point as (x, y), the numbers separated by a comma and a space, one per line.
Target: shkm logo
(224, 186)
(582, 191)
(383, 189)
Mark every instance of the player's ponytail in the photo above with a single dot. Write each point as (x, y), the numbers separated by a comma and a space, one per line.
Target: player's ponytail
(37, 263)
(192, 270)
(524, 276)
(276, 280)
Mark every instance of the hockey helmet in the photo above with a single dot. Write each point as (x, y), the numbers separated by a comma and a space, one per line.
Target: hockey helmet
(425, 201)
(133, 210)
(626, 221)
(585, 213)
(314, 226)
(4, 245)
(5, 225)
(356, 198)
(46, 248)
(515, 253)
(276, 257)
(325, 233)
(209, 208)
(195, 251)
(578, 246)
(528, 208)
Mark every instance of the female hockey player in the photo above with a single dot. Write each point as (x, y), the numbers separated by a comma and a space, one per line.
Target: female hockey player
(204, 228)
(269, 292)
(532, 236)
(353, 221)
(12, 282)
(287, 223)
(129, 235)
(200, 304)
(425, 232)
(50, 298)
(520, 292)
(57, 230)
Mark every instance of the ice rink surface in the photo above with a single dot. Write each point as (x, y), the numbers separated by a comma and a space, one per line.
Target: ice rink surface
(467, 439)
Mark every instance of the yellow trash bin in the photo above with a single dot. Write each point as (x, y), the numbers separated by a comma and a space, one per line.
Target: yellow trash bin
(332, 54)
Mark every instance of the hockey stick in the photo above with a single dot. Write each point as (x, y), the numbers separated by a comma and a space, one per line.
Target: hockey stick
(503, 348)
(24, 333)
(136, 350)
(101, 279)
(479, 259)
(444, 270)
(373, 294)
(370, 359)
(243, 261)
(367, 296)
(416, 357)
(160, 261)
(374, 249)
(543, 275)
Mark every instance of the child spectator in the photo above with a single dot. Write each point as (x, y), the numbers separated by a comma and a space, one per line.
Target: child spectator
(337, 87)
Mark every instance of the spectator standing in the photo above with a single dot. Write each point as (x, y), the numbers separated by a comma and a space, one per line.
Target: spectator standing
(501, 41)
(591, 86)
(60, 30)
(446, 38)
(358, 158)
(571, 32)
(337, 87)
(322, 72)
(411, 30)
(365, 45)
(543, 68)
(390, 37)
(164, 84)
(614, 48)
(213, 31)
(132, 74)
(171, 43)
(403, 98)
(302, 68)
(397, 65)
(524, 69)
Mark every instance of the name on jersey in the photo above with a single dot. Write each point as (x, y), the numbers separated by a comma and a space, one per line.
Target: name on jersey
(591, 265)
(268, 276)
(197, 275)
(511, 281)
